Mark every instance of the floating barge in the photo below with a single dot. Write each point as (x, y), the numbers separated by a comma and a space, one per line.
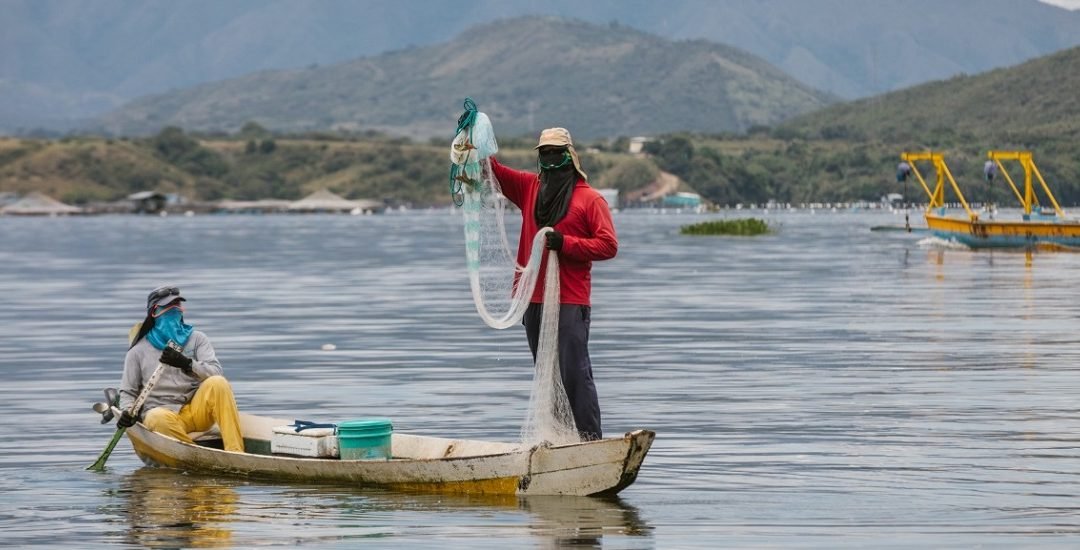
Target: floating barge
(1038, 227)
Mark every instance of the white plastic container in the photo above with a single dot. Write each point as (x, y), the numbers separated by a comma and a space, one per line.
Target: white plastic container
(312, 442)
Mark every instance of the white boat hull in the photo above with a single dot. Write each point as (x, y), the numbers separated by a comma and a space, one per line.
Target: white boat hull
(421, 463)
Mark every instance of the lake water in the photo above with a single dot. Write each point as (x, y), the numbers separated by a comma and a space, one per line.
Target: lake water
(825, 386)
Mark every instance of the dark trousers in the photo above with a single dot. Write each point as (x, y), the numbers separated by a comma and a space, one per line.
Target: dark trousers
(574, 363)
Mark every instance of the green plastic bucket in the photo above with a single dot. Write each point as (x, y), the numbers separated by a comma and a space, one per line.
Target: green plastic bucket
(365, 439)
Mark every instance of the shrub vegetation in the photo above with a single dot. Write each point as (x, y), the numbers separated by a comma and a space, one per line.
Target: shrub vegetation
(741, 227)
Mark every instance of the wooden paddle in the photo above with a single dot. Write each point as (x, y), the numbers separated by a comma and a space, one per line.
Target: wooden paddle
(99, 465)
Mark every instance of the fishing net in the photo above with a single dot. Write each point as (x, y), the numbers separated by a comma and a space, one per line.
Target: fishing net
(501, 288)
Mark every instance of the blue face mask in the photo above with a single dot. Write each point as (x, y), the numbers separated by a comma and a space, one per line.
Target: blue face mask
(170, 326)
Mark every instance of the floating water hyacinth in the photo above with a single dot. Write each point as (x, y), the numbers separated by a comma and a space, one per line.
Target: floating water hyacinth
(740, 227)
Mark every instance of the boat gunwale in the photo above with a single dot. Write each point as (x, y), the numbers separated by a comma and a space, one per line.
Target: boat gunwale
(507, 472)
(147, 433)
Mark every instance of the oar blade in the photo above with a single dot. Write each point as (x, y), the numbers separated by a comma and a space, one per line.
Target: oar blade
(99, 465)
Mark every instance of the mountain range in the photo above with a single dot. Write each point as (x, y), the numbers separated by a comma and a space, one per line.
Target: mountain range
(842, 152)
(63, 61)
(525, 73)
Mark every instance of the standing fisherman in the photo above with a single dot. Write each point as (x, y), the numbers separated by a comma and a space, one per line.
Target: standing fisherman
(560, 197)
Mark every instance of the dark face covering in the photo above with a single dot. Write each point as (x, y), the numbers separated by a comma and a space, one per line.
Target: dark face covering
(557, 179)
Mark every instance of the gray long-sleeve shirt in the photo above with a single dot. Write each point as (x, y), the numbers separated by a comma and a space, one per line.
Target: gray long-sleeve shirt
(174, 389)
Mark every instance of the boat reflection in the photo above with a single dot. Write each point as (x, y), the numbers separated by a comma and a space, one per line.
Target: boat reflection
(583, 521)
(170, 510)
(554, 521)
(551, 521)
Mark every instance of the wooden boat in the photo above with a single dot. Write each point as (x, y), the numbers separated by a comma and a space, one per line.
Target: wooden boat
(419, 463)
(1037, 228)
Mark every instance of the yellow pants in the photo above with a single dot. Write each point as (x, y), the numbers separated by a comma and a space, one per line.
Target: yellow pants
(212, 403)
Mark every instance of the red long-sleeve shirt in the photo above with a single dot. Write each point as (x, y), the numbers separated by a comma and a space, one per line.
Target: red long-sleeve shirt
(587, 229)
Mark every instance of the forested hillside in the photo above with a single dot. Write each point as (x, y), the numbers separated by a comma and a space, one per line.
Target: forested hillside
(1032, 102)
(850, 150)
(255, 164)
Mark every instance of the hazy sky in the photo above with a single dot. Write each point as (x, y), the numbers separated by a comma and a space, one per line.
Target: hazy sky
(1067, 4)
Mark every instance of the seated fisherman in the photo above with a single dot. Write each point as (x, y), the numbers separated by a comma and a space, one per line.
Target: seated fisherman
(192, 395)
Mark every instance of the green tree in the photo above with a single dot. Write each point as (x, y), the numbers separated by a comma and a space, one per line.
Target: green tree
(673, 154)
(172, 144)
(253, 130)
(186, 153)
(628, 175)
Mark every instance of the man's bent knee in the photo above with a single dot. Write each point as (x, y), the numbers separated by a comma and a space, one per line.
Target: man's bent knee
(216, 381)
(157, 418)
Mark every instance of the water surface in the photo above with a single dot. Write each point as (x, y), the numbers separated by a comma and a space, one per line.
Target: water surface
(824, 386)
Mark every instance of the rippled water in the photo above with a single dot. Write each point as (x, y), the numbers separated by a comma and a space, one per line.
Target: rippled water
(825, 386)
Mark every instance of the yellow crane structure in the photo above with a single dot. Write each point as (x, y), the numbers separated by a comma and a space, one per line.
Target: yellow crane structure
(1048, 231)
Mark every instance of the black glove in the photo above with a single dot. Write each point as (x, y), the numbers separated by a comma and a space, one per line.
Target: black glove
(554, 241)
(127, 420)
(174, 358)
